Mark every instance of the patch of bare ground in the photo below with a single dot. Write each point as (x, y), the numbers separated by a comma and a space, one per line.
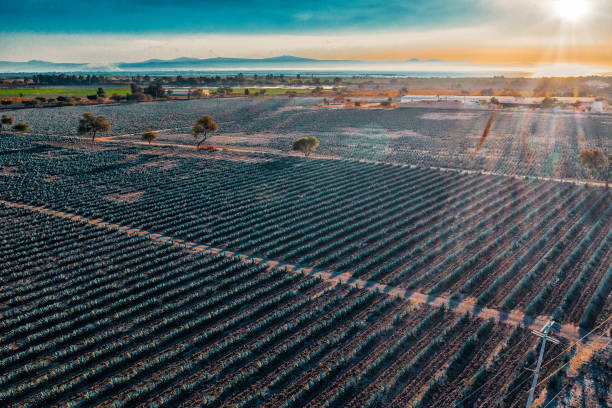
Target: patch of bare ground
(253, 139)
(125, 197)
(85, 144)
(451, 115)
(161, 164)
(292, 108)
(589, 386)
(220, 153)
(375, 133)
(9, 171)
(585, 381)
(240, 157)
(130, 158)
(51, 179)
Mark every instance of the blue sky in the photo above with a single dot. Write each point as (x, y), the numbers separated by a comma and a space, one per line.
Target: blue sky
(256, 16)
(506, 32)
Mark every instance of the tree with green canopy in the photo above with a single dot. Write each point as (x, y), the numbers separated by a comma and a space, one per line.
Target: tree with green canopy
(91, 124)
(306, 145)
(149, 136)
(6, 120)
(203, 126)
(21, 127)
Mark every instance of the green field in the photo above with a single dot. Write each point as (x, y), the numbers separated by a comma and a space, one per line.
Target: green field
(54, 92)
(81, 92)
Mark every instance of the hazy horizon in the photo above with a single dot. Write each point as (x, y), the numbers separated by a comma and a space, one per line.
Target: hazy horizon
(434, 68)
(573, 36)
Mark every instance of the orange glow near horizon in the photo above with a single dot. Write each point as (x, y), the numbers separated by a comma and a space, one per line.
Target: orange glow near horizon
(529, 55)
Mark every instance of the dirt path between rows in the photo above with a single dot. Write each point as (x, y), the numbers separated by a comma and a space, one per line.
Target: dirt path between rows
(571, 333)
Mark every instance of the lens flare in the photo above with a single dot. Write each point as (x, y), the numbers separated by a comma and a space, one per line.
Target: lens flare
(571, 10)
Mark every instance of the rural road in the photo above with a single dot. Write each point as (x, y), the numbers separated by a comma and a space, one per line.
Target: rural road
(571, 333)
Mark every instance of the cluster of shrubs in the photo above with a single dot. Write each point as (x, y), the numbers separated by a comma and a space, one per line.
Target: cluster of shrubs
(8, 121)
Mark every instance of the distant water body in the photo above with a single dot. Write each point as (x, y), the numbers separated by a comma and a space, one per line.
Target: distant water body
(303, 73)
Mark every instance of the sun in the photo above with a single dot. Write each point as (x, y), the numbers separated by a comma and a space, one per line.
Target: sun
(571, 10)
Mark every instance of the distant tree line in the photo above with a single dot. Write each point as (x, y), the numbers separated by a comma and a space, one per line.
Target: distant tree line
(179, 80)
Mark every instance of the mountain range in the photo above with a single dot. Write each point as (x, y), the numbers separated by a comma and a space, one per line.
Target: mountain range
(185, 63)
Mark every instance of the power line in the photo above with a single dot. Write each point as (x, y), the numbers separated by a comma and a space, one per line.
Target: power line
(554, 358)
(544, 335)
(556, 395)
(560, 367)
(579, 340)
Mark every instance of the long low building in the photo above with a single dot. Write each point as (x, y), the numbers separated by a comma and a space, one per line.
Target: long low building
(186, 91)
(483, 100)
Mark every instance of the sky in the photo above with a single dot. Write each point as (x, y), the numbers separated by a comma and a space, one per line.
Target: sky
(500, 32)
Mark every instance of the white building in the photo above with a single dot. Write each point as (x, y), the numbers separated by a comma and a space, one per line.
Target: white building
(483, 100)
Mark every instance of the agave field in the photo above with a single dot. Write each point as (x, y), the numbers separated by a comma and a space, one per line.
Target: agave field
(93, 317)
(170, 277)
(540, 144)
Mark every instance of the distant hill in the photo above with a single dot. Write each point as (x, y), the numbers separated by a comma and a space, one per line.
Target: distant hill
(183, 63)
(186, 63)
(219, 62)
(39, 66)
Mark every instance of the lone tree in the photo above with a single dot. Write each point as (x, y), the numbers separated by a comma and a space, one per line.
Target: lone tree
(21, 127)
(6, 120)
(202, 127)
(149, 136)
(595, 159)
(91, 124)
(306, 145)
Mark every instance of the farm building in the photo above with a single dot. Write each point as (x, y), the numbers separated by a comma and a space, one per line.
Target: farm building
(187, 91)
(466, 101)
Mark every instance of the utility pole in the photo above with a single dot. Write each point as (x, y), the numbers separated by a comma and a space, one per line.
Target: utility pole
(544, 335)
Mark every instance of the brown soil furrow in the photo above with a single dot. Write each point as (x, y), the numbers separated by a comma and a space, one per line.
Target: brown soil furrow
(549, 272)
(499, 297)
(482, 353)
(297, 384)
(384, 378)
(589, 288)
(170, 365)
(414, 386)
(216, 365)
(469, 226)
(265, 381)
(514, 318)
(216, 388)
(371, 356)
